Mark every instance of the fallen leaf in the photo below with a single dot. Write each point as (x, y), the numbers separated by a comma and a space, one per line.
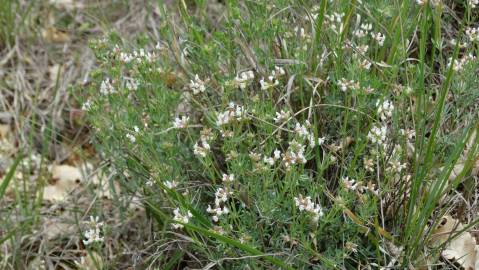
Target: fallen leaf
(64, 179)
(460, 249)
(53, 35)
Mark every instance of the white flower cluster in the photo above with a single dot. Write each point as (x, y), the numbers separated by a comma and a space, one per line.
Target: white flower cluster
(473, 34)
(385, 109)
(377, 135)
(307, 205)
(272, 79)
(272, 160)
(294, 155)
(379, 37)
(345, 85)
(363, 30)
(106, 87)
(132, 85)
(197, 85)
(181, 122)
(459, 64)
(281, 116)
(353, 185)
(473, 3)
(86, 106)
(243, 79)
(137, 56)
(181, 217)
(132, 137)
(234, 112)
(304, 133)
(335, 22)
(202, 148)
(433, 3)
(93, 234)
(221, 197)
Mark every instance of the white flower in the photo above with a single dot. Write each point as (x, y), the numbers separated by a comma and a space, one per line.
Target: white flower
(181, 122)
(268, 160)
(171, 184)
(244, 78)
(433, 3)
(217, 211)
(385, 110)
(307, 205)
(473, 3)
(345, 85)
(277, 154)
(106, 88)
(349, 184)
(92, 235)
(234, 112)
(301, 130)
(181, 217)
(136, 129)
(228, 178)
(221, 195)
(132, 85)
(86, 106)
(473, 34)
(201, 149)
(197, 85)
(377, 135)
(379, 37)
(131, 137)
(321, 140)
(281, 116)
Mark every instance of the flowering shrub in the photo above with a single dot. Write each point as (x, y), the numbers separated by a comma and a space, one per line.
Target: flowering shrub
(287, 131)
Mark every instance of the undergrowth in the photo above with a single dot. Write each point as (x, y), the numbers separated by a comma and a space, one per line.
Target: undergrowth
(293, 134)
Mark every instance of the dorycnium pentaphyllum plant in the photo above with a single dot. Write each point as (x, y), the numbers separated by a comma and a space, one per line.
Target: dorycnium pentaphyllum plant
(294, 134)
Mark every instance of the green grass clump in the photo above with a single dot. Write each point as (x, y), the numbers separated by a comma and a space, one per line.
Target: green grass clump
(290, 134)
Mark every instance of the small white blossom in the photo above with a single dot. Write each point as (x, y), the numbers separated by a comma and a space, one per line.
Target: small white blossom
(106, 87)
(281, 116)
(181, 122)
(92, 235)
(201, 149)
(377, 135)
(379, 37)
(181, 217)
(131, 137)
(171, 184)
(228, 178)
(385, 109)
(86, 106)
(197, 85)
(307, 205)
(244, 79)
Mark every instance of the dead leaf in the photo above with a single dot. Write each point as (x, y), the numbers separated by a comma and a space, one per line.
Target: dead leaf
(64, 179)
(54, 228)
(461, 249)
(53, 35)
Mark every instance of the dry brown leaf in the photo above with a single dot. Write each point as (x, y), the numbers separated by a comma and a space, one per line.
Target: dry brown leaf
(53, 228)
(53, 35)
(65, 178)
(4, 131)
(461, 249)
